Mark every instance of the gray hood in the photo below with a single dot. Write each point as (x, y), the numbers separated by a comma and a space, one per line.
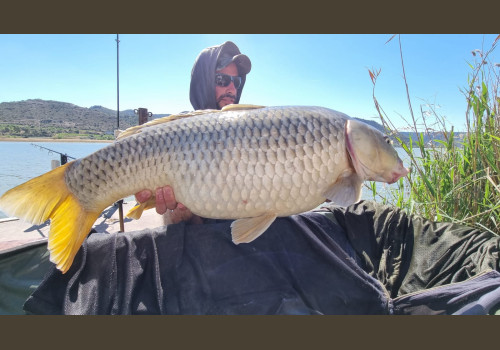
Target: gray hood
(202, 89)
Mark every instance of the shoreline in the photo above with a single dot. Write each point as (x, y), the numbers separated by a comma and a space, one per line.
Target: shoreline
(47, 139)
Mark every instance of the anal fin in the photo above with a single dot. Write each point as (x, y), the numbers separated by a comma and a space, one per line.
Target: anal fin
(247, 229)
(136, 212)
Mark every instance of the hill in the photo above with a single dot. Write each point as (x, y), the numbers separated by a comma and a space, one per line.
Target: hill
(42, 118)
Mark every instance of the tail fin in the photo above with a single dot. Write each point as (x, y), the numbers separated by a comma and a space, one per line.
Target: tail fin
(48, 197)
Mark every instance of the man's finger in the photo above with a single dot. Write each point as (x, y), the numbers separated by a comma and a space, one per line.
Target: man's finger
(169, 198)
(161, 206)
(143, 196)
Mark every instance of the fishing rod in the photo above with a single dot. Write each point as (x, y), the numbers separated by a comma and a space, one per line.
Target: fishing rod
(120, 202)
(64, 156)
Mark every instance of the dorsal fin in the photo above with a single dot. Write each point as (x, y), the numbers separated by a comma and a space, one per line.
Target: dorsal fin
(136, 129)
(234, 107)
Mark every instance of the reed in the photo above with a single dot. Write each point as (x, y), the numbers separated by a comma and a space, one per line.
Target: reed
(452, 179)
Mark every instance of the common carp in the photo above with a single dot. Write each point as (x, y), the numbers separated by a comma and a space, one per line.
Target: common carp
(248, 163)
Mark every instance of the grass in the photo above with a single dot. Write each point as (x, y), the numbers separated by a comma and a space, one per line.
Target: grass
(452, 179)
(86, 136)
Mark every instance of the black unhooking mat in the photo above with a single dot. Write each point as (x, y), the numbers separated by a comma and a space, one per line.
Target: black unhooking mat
(364, 259)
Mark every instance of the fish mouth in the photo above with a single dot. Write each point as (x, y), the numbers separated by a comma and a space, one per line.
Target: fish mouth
(402, 171)
(365, 173)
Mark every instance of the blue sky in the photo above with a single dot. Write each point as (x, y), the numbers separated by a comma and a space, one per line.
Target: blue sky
(322, 70)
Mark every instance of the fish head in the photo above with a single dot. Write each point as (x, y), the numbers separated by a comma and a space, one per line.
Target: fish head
(373, 156)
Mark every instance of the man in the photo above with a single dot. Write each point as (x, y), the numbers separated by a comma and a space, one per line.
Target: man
(217, 80)
(208, 90)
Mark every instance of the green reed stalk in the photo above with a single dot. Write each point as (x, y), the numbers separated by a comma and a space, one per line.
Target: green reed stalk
(452, 179)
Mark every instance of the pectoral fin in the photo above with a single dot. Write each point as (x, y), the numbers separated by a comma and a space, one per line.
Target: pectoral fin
(346, 190)
(247, 229)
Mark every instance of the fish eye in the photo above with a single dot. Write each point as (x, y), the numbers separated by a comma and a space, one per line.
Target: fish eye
(388, 140)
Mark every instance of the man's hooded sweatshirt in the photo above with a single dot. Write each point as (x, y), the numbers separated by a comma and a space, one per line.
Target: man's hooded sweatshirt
(202, 89)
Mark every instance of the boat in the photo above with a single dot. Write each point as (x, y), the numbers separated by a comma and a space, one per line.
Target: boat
(24, 255)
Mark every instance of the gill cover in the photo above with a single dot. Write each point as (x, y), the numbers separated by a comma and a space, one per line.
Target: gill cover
(372, 154)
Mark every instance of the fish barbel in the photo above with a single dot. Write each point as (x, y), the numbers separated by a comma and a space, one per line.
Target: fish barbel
(248, 163)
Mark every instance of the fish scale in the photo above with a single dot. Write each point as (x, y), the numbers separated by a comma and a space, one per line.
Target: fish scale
(233, 171)
(248, 163)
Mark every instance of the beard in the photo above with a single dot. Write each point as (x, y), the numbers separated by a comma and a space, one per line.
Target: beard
(228, 95)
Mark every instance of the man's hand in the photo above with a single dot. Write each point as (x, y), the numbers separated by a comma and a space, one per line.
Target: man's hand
(166, 204)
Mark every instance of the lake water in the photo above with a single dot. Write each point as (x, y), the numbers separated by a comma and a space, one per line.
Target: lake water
(22, 161)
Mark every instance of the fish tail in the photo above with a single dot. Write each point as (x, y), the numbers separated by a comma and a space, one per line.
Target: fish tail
(48, 197)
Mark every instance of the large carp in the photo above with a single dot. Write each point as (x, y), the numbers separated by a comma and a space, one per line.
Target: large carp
(248, 163)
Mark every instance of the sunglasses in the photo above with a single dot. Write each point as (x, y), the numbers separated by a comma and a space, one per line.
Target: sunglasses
(224, 80)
